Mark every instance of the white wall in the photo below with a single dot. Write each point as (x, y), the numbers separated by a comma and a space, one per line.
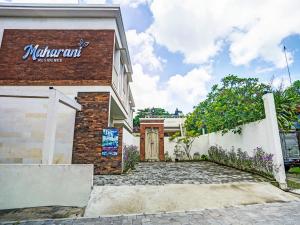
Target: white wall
(169, 147)
(45, 185)
(22, 130)
(22, 125)
(253, 135)
(128, 138)
(263, 133)
(200, 145)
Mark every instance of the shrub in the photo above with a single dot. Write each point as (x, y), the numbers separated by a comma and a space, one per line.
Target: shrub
(183, 143)
(196, 156)
(131, 157)
(261, 162)
(204, 157)
(167, 157)
(295, 170)
(179, 153)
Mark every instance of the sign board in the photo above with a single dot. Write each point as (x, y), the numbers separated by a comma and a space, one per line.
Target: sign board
(56, 57)
(110, 142)
(45, 54)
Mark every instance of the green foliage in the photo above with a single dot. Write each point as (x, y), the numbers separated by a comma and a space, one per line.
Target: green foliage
(237, 101)
(232, 103)
(292, 184)
(286, 102)
(295, 170)
(142, 113)
(131, 157)
(179, 153)
(183, 142)
(204, 157)
(261, 162)
(199, 157)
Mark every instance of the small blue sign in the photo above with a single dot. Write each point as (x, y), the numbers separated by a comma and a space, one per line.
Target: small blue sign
(110, 142)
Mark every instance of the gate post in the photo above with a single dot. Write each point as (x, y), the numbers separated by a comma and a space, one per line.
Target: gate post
(50, 130)
(274, 139)
(157, 123)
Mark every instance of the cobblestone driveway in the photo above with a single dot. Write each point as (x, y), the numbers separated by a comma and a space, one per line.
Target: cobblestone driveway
(272, 213)
(159, 173)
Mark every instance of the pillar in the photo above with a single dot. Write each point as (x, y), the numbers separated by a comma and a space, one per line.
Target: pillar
(272, 131)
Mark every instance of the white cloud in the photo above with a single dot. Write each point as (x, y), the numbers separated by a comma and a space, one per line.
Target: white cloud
(141, 47)
(260, 70)
(199, 28)
(281, 82)
(188, 89)
(146, 89)
(131, 3)
(93, 1)
(182, 91)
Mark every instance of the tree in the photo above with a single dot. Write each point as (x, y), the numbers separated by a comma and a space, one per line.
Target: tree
(287, 101)
(142, 113)
(232, 103)
(184, 142)
(237, 101)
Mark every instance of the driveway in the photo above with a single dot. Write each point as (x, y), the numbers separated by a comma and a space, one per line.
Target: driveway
(160, 173)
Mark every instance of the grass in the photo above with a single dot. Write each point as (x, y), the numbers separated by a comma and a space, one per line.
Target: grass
(293, 178)
(293, 184)
(294, 170)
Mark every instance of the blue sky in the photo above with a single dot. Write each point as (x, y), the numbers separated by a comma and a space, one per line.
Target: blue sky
(261, 65)
(222, 64)
(179, 49)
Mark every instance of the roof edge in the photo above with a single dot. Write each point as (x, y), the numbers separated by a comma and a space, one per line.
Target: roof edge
(69, 11)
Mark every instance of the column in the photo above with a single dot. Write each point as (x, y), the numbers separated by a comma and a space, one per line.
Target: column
(50, 130)
(272, 131)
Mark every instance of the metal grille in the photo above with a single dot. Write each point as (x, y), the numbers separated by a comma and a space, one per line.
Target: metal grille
(290, 145)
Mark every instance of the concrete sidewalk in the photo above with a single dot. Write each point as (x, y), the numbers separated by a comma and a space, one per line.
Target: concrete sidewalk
(123, 200)
(258, 214)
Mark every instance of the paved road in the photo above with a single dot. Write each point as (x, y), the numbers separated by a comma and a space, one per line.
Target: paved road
(160, 173)
(272, 213)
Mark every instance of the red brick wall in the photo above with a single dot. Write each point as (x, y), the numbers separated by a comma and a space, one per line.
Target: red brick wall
(88, 134)
(160, 127)
(94, 67)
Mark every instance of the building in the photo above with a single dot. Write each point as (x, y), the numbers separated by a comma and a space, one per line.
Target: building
(80, 51)
(174, 125)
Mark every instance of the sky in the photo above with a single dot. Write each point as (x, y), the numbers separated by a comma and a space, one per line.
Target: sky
(179, 49)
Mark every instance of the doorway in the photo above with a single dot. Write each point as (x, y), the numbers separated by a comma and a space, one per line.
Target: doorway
(151, 144)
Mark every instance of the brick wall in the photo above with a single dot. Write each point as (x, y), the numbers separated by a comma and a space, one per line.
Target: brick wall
(88, 134)
(152, 124)
(93, 67)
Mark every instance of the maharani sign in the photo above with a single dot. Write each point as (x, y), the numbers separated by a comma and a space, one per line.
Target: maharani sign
(52, 55)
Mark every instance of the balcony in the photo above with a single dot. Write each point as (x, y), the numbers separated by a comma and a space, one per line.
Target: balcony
(122, 93)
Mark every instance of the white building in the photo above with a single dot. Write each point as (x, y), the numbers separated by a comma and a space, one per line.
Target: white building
(80, 51)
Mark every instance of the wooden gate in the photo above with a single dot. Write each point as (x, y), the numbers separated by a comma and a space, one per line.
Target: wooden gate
(151, 144)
